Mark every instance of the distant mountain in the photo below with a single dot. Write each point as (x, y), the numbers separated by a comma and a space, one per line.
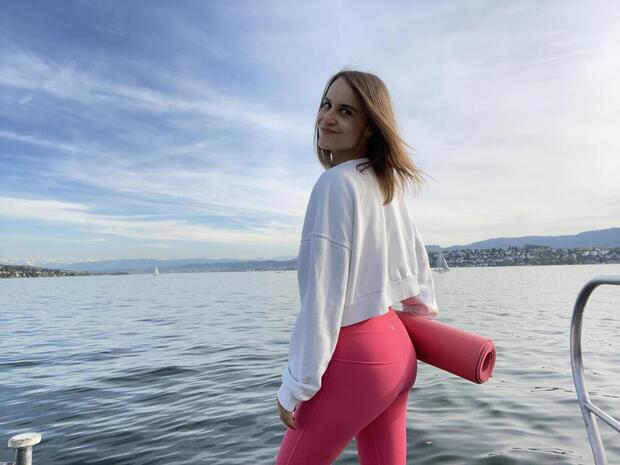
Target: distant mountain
(147, 265)
(281, 257)
(141, 265)
(601, 238)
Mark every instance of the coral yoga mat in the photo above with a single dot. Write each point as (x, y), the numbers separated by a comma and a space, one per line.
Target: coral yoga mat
(459, 352)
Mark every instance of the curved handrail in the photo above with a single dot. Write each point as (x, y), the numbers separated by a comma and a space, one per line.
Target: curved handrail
(589, 410)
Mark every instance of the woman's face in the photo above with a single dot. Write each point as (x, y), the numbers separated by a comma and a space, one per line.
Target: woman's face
(343, 123)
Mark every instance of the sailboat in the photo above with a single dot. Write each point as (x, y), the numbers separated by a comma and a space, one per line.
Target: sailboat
(156, 272)
(442, 265)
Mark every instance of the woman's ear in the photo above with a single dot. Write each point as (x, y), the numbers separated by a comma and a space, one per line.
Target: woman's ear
(368, 132)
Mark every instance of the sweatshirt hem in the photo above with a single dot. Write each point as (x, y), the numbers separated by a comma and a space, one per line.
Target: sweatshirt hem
(369, 305)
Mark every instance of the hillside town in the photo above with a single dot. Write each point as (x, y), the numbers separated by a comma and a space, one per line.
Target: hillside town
(20, 271)
(529, 255)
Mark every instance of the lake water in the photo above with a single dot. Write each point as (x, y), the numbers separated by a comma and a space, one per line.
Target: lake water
(182, 369)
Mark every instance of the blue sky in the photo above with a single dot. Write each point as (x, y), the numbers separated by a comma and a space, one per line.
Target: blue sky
(184, 129)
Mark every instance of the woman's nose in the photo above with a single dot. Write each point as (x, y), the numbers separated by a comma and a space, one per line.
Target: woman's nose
(330, 116)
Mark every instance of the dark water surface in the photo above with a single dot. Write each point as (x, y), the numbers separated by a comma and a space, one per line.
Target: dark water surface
(182, 369)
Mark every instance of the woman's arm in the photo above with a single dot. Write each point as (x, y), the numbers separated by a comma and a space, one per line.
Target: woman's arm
(323, 272)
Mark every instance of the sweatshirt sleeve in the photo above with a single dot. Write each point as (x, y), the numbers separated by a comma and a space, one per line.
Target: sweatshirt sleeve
(424, 303)
(322, 272)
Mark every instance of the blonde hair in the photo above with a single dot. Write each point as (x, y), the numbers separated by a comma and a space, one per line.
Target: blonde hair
(387, 155)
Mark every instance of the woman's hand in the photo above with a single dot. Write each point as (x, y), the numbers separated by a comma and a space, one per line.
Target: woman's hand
(286, 416)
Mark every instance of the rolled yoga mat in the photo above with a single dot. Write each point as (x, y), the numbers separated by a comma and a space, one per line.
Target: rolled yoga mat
(459, 352)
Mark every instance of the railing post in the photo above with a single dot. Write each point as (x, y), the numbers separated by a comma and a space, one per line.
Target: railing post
(588, 410)
(23, 444)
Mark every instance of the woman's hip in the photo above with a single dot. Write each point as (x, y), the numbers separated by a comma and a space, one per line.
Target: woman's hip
(382, 339)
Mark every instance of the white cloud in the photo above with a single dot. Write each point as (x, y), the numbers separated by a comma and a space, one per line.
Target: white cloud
(232, 192)
(80, 215)
(26, 70)
(25, 100)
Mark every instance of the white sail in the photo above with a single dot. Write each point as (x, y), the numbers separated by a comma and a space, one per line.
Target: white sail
(442, 264)
(156, 272)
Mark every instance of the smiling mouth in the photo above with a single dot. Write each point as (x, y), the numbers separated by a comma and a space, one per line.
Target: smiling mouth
(328, 131)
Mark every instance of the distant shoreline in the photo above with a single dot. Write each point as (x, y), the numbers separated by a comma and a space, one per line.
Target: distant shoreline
(19, 271)
(462, 258)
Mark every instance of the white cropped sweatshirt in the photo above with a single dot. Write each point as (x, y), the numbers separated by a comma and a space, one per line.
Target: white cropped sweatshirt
(356, 258)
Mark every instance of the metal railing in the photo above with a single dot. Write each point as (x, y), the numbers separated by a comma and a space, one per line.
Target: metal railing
(588, 409)
(23, 444)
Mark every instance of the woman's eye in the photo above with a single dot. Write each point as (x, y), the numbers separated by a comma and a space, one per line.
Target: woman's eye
(346, 112)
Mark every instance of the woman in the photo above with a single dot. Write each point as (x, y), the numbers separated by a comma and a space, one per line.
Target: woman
(351, 362)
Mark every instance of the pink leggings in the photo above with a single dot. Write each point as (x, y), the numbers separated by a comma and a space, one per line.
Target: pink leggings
(363, 394)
